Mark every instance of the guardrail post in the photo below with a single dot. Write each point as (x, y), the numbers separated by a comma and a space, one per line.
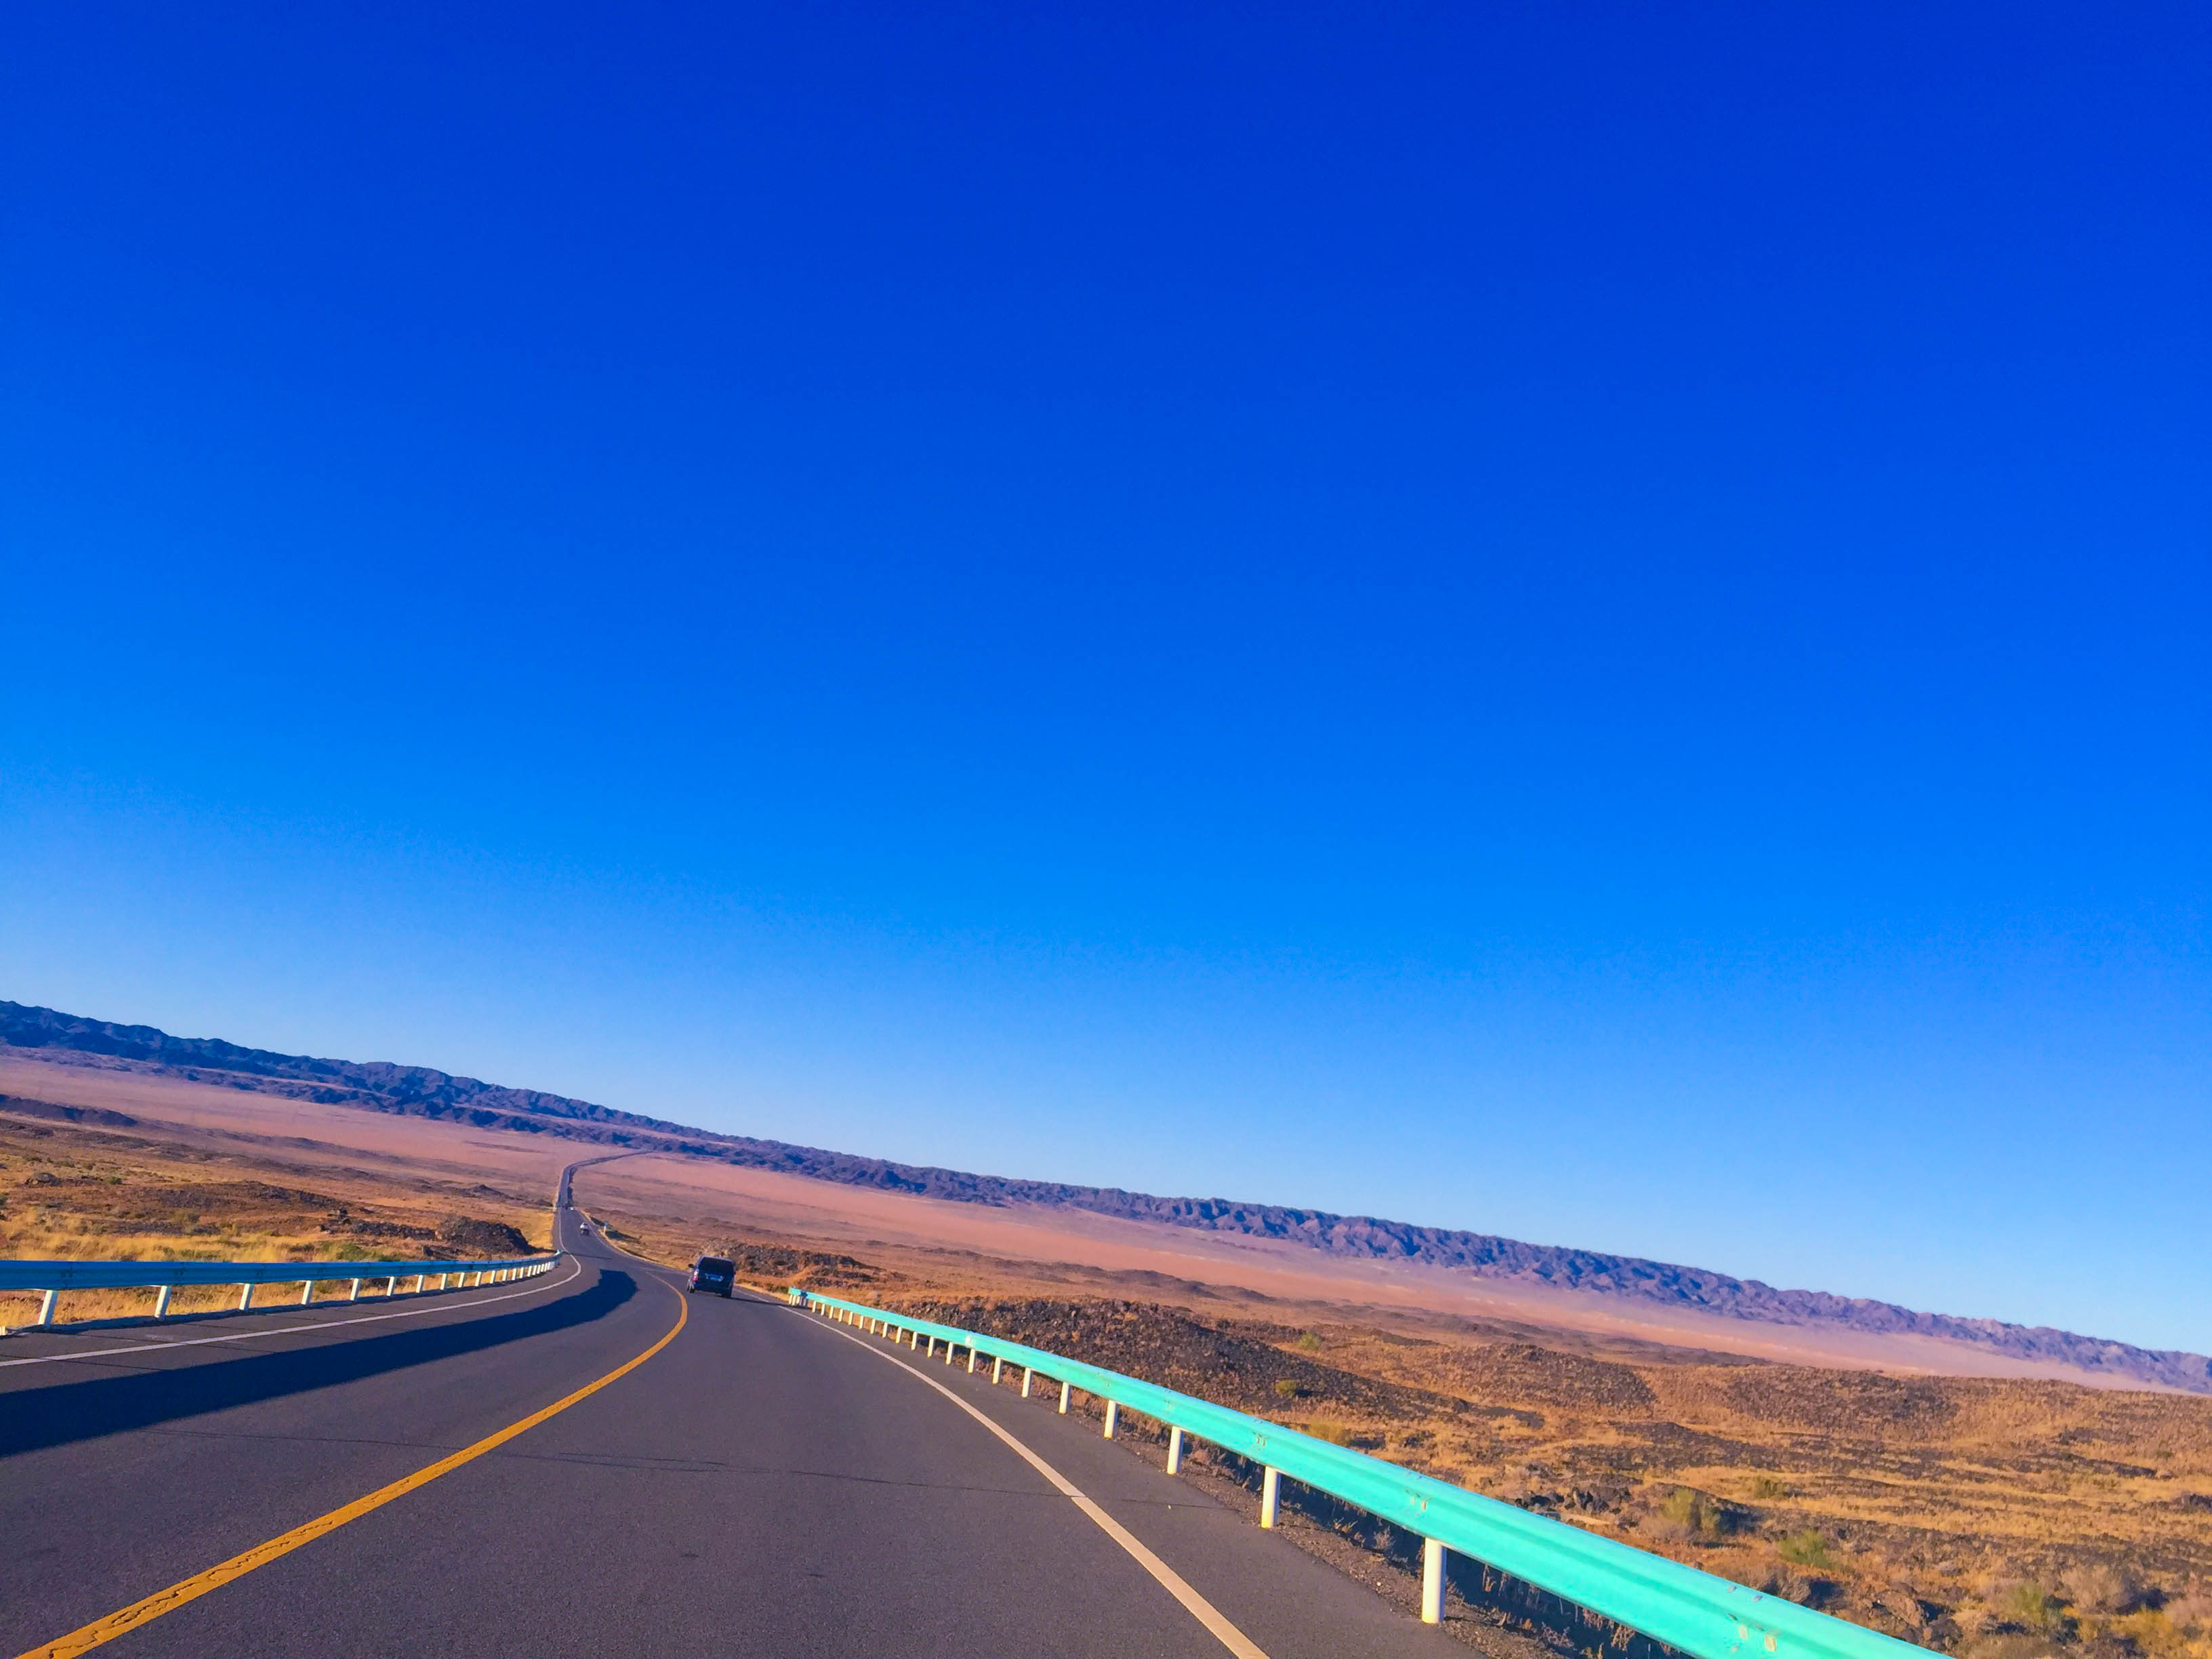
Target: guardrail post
(419, 1278)
(972, 1358)
(46, 1307)
(998, 1369)
(1174, 1450)
(306, 1292)
(1026, 1375)
(1113, 1418)
(1432, 1582)
(1063, 1400)
(392, 1285)
(246, 1296)
(949, 1346)
(442, 1277)
(1271, 1497)
(354, 1295)
(162, 1302)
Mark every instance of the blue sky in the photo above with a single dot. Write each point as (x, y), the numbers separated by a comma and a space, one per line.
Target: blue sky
(1587, 622)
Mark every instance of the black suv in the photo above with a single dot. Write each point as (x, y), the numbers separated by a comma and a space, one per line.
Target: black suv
(714, 1272)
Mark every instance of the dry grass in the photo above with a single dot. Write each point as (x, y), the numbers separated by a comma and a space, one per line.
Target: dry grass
(1994, 1518)
(1970, 1515)
(73, 1194)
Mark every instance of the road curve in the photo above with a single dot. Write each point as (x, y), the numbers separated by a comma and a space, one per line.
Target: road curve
(763, 1485)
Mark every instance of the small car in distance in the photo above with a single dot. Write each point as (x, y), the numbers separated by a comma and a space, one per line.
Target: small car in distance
(713, 1274)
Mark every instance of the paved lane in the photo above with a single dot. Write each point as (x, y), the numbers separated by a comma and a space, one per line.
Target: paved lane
(765, 1485)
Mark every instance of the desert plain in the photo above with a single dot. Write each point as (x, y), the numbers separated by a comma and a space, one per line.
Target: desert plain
(1970, 1502)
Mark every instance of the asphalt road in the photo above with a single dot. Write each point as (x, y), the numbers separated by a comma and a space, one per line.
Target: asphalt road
(766, 1484)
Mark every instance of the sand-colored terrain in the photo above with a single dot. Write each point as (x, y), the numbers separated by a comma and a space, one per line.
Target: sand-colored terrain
(1065, 1242)
(1047, 1245)
(1992, 1507)
(153, 1167)
(1998, 1518)
(303, 1133)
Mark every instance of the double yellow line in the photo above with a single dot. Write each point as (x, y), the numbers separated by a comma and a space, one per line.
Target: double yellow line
(191, 1589)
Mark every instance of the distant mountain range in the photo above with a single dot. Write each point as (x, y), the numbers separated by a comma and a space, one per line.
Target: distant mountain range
(419, 1091)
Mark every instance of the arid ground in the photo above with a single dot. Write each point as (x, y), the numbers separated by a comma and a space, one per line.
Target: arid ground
(102, 1161)
(1894, 1480)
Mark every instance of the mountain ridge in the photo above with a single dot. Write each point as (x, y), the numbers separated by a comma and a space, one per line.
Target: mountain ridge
(420, 1091)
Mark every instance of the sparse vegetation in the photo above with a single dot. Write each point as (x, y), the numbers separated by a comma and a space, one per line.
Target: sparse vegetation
(1687, 1515)
(1809, 1547)
(2030, 1606)
(75, 1194)
(1899, 1503)
(1923, 1506)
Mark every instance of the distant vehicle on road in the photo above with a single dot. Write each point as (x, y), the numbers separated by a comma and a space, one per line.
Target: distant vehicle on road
(714, 1273)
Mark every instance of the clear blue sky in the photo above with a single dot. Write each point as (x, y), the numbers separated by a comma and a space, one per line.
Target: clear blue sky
(1583, 620)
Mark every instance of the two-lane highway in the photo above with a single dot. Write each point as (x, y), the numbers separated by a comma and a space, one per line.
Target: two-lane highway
(763, 1484)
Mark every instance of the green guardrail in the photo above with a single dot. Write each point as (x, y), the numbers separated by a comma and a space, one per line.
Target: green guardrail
(1695, 1612)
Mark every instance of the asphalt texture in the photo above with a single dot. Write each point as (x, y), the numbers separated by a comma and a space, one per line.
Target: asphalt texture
(769, 1483)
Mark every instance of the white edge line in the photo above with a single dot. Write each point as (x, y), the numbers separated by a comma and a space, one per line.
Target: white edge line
(1173, 1581)
(289, 1330)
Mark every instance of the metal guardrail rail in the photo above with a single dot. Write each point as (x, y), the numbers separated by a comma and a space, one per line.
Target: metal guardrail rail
(52, 1278)
(1694, 1612)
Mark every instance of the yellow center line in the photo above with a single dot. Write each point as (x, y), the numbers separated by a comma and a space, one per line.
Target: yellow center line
(168, 1600)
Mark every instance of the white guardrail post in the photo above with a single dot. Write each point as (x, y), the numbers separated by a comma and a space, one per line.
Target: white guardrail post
(1698, 1614)
(1432, 1582)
